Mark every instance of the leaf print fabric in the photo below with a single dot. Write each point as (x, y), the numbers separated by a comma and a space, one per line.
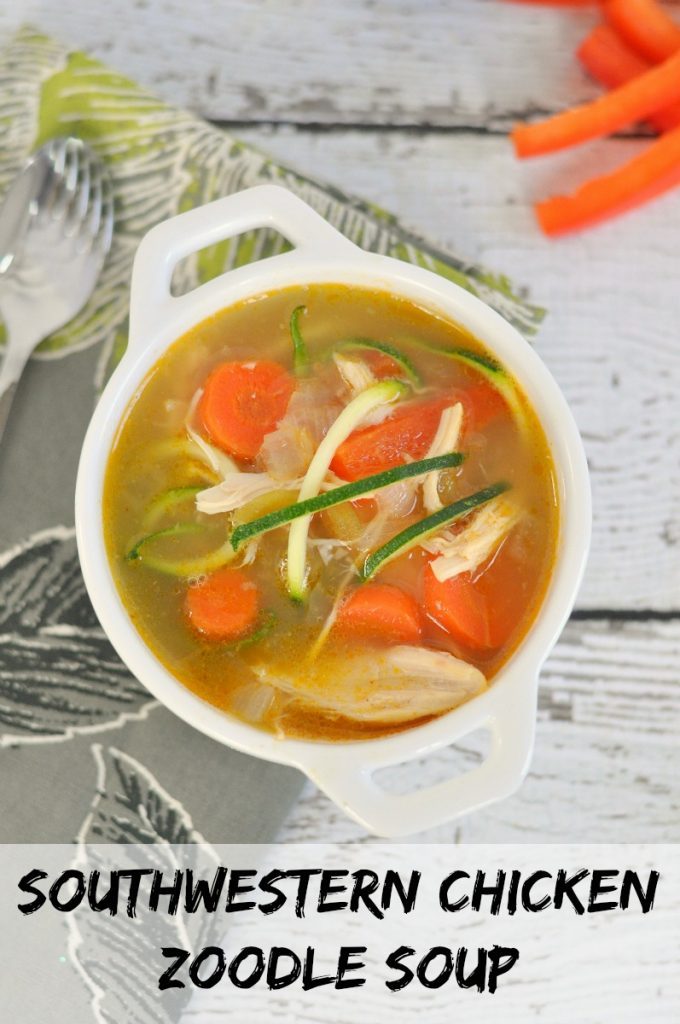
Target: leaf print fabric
(59, 674)
(119, 961)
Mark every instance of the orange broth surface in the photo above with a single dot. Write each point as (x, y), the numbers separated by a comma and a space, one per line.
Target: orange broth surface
(153, 457)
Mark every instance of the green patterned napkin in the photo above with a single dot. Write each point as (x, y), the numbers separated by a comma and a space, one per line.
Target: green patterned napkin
(73, 724)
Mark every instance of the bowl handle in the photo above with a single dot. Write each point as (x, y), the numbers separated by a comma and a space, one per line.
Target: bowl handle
(511, 723)
(159, 252)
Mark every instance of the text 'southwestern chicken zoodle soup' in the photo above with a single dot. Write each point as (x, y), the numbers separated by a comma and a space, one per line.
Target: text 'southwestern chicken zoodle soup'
(330, 512)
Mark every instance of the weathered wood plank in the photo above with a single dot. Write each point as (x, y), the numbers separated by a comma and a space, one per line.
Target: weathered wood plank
(446, 62)
(611, 337)
(605, 763)
(597, 967)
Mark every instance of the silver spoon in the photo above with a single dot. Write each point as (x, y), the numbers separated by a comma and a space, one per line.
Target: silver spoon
(56, 225)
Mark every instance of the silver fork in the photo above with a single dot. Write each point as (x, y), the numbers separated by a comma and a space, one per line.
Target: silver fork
(56, 225)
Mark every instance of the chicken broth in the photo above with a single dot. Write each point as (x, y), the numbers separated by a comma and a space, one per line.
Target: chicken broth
(424, 549)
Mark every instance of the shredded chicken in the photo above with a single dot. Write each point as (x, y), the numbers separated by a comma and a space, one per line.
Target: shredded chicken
(250, 551)
(398, 685)
(356, 374)
(235, 490)
(444, 442)
(467, 550)
(216, 459)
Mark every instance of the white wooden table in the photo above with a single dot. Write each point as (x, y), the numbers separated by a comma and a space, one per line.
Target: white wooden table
(411, 110)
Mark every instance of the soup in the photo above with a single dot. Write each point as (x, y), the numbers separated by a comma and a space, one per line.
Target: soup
(330, 512)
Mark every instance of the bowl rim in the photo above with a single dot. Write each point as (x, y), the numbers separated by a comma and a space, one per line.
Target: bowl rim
(513, 691)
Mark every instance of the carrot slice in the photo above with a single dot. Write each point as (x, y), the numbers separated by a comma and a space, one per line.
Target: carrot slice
(655, 171)
(482, 403)
(380, 612)
(241, 402)
(649, 92)
(612, 62)
(224, 606)
(408, 433)
(503, 585)
(459, 608)
(480, 614)
(645, 25)
(381, 364)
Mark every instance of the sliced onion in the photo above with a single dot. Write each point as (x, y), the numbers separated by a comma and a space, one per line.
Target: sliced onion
(252, 701)
(398, 499)
(329, 548)
(287, 451)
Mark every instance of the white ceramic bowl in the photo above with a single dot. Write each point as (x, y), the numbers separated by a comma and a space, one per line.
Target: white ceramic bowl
(344, 771)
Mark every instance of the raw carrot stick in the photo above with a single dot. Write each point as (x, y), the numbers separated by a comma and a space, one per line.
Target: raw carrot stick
(649, 92)
(612, 62)
(557, 3)
(646, 26)
(609, 58)
(242, 402)
(380, 612)
(656, 170)
(224, 606)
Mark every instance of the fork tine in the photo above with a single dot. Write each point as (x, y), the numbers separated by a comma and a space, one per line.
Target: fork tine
(56, 160)
(57, 154)
(74, 156)
(66, 178)
(105, 235)
(80, 201)
(94, 213)
(98, 227)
